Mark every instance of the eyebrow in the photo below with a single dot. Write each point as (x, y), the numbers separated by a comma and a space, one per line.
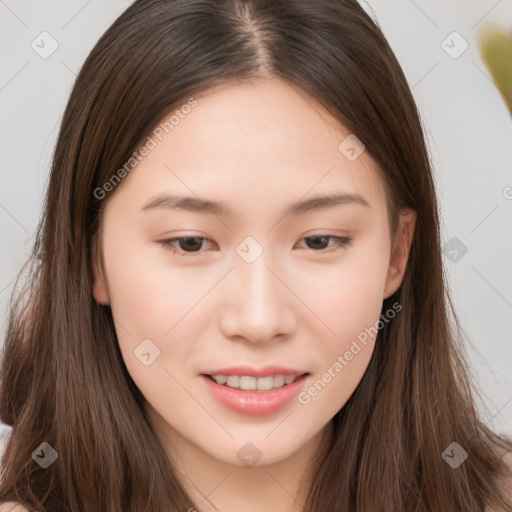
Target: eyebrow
(195, 204)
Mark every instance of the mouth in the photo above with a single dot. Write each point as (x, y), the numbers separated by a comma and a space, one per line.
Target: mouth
(254, 395)
(255, 384)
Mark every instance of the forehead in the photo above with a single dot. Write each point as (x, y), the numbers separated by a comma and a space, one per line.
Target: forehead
(252, 142)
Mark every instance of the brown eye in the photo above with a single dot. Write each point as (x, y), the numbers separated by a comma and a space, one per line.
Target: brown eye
(318, 242)
(187, 244)
(191, 245)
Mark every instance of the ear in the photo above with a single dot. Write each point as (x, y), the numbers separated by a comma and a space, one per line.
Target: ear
(99, 286)
(400, 251)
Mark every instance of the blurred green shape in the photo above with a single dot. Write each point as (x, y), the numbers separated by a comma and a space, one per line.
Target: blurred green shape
(496, 50)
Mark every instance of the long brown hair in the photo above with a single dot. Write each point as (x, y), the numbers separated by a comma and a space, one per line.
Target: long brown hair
(63, 379)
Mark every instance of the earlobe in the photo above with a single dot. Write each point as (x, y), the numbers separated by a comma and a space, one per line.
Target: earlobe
(400, 252)
(99, 287)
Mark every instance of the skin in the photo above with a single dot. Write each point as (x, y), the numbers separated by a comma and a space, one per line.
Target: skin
(258, 147)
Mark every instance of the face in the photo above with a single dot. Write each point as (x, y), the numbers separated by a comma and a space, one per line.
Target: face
(274, 292)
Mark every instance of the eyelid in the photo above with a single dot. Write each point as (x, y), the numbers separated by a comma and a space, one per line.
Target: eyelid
(339, 243)
(169, 244)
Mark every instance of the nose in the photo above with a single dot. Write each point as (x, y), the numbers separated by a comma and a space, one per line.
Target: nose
(258, 307)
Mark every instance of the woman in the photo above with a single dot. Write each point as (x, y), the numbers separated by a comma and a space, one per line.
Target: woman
(237, 297)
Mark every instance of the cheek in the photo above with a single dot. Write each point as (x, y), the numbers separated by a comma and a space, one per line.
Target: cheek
(348, 295)
(153, 308)
(352, 312)
(351, 309)
(348, 299)
(154, 300)
(149, 295)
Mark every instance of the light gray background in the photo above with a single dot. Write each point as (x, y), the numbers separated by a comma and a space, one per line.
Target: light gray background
(468, 126)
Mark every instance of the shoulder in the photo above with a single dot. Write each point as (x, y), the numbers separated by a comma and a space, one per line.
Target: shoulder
(12, 506)
(506, 484)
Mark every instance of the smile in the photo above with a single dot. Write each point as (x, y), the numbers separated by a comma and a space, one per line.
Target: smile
(254, 396)
(248, 383)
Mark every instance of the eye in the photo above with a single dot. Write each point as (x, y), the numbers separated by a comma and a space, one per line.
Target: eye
(191, 245)
(187, 244)
(319, 240)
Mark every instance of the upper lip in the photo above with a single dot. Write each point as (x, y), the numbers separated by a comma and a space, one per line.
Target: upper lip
(266, 371)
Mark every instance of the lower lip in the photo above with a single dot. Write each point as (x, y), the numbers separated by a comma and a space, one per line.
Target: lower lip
(254, 403)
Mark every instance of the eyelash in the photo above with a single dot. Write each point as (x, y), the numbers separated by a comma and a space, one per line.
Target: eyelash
(340, 242)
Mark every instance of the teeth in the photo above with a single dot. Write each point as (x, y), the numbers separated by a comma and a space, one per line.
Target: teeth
(246, 383)
(279, 380)
(265, 383)
(233, 381)
(220, 379)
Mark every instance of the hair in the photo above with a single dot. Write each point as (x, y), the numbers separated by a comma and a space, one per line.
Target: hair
(63, 379)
